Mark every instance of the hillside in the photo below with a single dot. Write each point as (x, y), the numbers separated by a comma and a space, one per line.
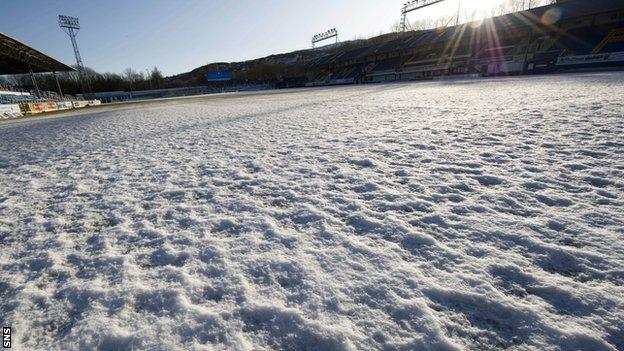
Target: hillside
(276, 67)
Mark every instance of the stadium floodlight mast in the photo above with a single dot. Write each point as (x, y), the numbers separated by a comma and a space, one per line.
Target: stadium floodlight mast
(71, 26)
(414, 5)
(332, 33)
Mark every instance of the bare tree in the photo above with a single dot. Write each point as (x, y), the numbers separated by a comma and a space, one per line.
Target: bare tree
(156, 78)
(396, 27)
(518, 5)
(131, 76)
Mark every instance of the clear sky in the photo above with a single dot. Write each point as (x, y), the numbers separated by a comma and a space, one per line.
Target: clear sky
(179, 35)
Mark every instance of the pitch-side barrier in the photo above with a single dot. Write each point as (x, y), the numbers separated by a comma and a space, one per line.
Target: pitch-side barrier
(50, 106)
(64, 105)
(32, 108)
(10, 111)
(80, 103)
(605, 59)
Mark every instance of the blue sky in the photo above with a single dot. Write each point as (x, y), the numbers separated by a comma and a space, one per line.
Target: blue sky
(178, 36)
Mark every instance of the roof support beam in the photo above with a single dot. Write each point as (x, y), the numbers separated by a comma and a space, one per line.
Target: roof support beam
(34, 81)
(58, 85)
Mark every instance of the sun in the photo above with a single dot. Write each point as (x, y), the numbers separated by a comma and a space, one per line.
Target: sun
(469, 10)
(479, 9)
(482, 4)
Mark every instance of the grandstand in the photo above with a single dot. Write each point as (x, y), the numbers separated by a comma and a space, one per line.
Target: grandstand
(573, 34)
(19, 58)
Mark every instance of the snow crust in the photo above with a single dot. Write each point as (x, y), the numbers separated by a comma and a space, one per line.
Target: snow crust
(466, 215)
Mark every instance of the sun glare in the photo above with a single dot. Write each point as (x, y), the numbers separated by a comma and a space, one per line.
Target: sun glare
(469, 10)
(479, 9)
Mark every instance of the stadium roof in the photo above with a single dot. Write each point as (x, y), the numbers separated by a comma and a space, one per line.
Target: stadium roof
(18, 58)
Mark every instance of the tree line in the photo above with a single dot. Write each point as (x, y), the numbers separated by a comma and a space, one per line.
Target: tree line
(129, 80)
(253, 72)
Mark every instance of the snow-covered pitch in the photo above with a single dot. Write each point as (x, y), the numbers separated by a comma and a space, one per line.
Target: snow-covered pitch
(464, 215)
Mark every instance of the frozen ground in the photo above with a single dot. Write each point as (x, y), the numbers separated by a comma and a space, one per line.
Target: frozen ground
(472, 215)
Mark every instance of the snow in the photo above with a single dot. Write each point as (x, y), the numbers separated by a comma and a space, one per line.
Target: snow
(456, 215)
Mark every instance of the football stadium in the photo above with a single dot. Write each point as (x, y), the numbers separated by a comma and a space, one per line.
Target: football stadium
(458, 187)
(566, 36)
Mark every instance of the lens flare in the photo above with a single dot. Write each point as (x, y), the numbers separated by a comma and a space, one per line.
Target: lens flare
(551, 16)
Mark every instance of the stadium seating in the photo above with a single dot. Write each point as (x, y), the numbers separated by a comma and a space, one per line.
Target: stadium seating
(517, 43)
(613, 47)
(389, 65)
(14, 97)
(579, 42)
(356, 72)
(612, 42)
